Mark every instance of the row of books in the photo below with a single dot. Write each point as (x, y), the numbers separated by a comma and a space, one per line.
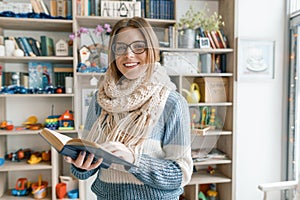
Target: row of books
(55, 8)
(217, 39)
(15, 6)
(32, 47)
(158, 9)
(39, 75)
(154, 9)
(61, 8)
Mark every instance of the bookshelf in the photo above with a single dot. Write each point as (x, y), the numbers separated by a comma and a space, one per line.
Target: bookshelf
(9, 103)
(18, 107)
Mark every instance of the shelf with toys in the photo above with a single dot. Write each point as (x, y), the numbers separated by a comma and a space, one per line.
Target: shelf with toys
(33, 83)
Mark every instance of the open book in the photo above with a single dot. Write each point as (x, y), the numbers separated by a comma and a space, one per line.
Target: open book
(68, 146)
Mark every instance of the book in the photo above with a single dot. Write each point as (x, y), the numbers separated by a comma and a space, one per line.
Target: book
(27, 46)
(221, 38)
(53, 8)
(34, 46)
(71, 147)
(40, 74)
(44, 7)
(61, 9)
(21, 45)
(1, 84)
(212, 44)
(47, 46)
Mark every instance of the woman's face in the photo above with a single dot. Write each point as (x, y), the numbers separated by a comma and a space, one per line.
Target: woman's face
(132, 62)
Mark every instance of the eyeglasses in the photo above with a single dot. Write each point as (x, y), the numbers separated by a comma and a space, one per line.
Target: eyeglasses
(137, 47)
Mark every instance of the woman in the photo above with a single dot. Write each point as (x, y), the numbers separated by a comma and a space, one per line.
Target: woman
(138, 116)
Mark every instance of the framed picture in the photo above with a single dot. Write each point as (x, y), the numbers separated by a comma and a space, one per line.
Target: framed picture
(255, 59)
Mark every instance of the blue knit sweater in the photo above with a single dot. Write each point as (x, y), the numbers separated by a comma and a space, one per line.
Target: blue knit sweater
(164, 166)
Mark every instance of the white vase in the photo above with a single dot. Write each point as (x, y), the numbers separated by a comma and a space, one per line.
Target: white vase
(186, 38)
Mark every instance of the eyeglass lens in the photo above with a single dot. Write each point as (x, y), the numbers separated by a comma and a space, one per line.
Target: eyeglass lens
(136, 47)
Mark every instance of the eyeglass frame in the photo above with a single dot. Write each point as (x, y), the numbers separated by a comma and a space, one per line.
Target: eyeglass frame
(129, 45)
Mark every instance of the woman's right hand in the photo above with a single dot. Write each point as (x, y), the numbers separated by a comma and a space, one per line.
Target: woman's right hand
(83, 162)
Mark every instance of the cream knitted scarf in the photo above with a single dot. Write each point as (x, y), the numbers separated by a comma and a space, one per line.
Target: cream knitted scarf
(130, 108)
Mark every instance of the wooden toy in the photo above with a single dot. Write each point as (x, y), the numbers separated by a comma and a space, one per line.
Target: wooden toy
(66, 121)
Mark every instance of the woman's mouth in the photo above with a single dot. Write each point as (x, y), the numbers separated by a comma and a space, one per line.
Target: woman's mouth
(131, 64)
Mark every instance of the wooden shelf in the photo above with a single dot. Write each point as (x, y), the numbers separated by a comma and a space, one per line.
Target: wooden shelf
(93, 21)
(200, 51)
(203, 177)
(36, 95)
(204, 75)
(210, 132)
(27, 59)
(32, 132)
(10, 166)
(213, 162)
(8, 196)
(211, 104)
(55, 25)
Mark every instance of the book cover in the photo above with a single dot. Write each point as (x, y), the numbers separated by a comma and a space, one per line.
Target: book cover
(61, 8)
(69, 8)
(53, 8)
(27, 46)
(221, 38)
(44, 7)
(33, 43)
(215, 39)
(212, 44)
(68, 146)
(40, 74)
(47, 46)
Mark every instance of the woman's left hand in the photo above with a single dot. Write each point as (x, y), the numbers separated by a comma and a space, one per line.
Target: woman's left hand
(119, 150)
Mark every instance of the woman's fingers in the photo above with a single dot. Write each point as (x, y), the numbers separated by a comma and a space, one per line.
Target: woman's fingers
(84, 161)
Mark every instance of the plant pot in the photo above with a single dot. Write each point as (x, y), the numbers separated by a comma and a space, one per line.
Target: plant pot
(186, 38)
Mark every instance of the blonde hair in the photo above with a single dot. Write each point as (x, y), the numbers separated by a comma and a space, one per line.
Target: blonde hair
(150, 38)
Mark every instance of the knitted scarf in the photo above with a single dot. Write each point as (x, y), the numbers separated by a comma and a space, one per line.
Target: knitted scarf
(130, 108)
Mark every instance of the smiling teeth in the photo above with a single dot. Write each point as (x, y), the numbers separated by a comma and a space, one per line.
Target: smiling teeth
(130, 64)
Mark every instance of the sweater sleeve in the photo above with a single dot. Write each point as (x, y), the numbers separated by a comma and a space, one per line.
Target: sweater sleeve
(175, 168)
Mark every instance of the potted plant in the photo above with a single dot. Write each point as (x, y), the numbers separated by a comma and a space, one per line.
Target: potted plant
(193, 20)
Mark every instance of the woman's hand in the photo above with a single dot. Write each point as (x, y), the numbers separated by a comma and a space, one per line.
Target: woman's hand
(84, 162)
(119, 150)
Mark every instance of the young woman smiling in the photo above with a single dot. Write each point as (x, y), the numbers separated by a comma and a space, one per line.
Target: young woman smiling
(137, 115)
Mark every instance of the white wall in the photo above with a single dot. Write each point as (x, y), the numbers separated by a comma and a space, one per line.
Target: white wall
(260, 111)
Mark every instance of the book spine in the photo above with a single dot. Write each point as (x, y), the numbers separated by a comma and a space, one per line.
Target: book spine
(32, 43)
(93, 8)
(215, 39)
(53, 8)
(207, 34)
(69, 8)
(47, 46)
(1, 79)
(97, 9)
(21, 45)
(27, 46)
(44, 7)
(61, 8)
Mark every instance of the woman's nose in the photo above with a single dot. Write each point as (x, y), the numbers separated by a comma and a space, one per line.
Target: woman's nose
(129, 52)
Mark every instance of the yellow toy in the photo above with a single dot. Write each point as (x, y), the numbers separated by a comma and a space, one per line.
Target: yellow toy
(192, 96)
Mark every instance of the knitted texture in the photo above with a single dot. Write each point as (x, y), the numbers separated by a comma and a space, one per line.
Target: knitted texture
(164, 166)
(130, 108)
